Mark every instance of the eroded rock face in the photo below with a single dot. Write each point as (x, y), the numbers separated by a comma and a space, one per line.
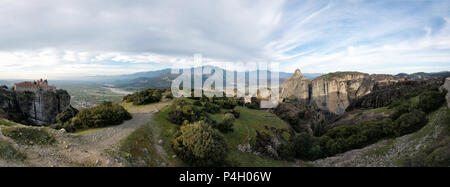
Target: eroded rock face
(33, 108)
(447, 87)
(296, 86)
(335, 91)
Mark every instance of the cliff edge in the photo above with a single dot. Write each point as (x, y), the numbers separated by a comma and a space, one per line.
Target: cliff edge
(333, 92)
(33, 108)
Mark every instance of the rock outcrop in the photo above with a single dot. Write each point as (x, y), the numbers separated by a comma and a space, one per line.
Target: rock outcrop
(333, 92)
(33, 108)
(447, 87)
(296, 86)
(382, 95)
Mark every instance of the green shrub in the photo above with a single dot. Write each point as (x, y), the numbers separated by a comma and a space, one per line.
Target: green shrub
(29, 135)
(181, 111)
(211, 108)
(227, 123)
(430, 101)
(198, 144)
(145, 97)
(66, 115)
(286, 151)
(302, 143)
(229, 103)
(197, 103)
(8, 152)
(236, 113)
(399, 110)
(105, 114)
(409, 123)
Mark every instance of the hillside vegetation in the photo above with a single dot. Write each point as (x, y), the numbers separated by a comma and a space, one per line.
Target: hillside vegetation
(245, 129)
(103, 115)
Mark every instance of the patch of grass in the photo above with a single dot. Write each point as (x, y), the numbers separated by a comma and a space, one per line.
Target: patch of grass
(379, 151)
(29, 135)
(6, 122)
(166, 131)
(8, 152)
(139, 148)
(128, 105)
(88, 131)
(380, 110)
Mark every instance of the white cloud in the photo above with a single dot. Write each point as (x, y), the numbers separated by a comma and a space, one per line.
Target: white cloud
(78, 38)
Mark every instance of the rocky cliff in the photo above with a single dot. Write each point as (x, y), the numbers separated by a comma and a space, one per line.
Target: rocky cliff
(33, 108)
(333, 92)
(296, 86)
(447, 87)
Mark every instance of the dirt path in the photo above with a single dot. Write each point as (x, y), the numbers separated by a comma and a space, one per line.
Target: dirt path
(97, 142)
(91, 148)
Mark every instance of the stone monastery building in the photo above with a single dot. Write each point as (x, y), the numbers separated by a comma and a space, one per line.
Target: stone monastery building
(33, 86)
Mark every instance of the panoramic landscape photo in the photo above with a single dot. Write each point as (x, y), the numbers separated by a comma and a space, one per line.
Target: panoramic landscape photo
(225, 83)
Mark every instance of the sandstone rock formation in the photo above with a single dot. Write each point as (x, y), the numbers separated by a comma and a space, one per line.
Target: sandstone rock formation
(447, 87)
(333, 92)
(33, 108)
(296, 86)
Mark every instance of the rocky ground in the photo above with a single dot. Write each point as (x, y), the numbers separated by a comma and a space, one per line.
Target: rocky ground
(89, 148)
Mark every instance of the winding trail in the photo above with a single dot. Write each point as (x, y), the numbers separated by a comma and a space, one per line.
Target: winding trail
(90, 148)
(95, 143)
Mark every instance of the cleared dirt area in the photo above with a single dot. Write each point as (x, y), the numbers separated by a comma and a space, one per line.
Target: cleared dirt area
(89, 148)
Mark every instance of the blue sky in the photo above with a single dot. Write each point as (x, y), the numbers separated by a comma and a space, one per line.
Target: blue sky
(103, 37)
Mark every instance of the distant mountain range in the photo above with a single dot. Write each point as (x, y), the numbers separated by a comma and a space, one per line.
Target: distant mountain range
(163, 78)
(424, 76)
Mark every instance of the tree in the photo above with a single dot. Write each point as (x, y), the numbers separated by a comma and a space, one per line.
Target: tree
(227, 124)
(198, 144)
(105, 114)
(430, 101)
(181, 111)
(410, 122)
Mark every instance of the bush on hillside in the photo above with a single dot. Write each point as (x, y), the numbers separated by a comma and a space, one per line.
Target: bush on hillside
(105, 114)
(400, 110)
(211, 108)
(409, 123)
(430, 101)
(236, 113)
(181, 111)
(66, 115)
(144, 97)
(229, 103)
(198, 144)
(197, 103)
(227, 124)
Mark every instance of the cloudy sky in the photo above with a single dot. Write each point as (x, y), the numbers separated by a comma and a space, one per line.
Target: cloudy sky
(60, 39)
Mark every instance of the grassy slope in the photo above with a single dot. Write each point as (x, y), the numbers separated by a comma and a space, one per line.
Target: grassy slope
(7, 150)
(139, 148)
(244, 131)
